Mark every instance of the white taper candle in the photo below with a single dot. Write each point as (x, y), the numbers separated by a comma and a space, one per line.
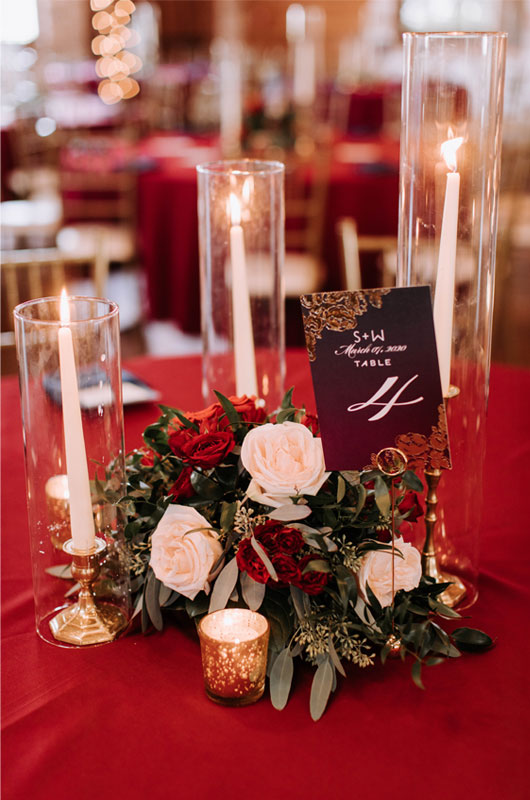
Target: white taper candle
(81, 516)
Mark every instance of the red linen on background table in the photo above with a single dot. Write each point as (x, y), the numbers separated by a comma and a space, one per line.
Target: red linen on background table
(363, 184)
(131, 719)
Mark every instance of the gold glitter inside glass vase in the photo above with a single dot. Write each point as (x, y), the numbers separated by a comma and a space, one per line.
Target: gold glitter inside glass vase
(234, 645)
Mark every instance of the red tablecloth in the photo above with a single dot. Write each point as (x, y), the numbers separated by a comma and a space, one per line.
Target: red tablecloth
(131, 719)
(364, 184)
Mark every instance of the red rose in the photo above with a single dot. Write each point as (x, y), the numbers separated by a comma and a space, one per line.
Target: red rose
(411, 506)
(313, 582)
(276, 538)
(178, 437)
(182, 488)
(148, 458)
(247, 409)
(207, 450)
(311, 422)
(249, 561)
(286, 568)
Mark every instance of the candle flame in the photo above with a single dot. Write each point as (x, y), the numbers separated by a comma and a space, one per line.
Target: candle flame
(235, 210)
(449, 149)
(64, 308)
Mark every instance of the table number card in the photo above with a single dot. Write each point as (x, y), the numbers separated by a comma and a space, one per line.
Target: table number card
(376, 378)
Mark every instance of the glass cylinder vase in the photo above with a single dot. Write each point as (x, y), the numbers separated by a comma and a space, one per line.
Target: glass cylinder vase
(449, 183)
(241, 243)
(90, 390)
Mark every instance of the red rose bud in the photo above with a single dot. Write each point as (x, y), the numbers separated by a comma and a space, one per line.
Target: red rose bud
(177, 438)
(411, 506)
(313, 582)
(182, 488)
(311, 422)
(148, 458)
(287, 569)
(247, 409)
(249, 561)
(277, 538)
(207, 450)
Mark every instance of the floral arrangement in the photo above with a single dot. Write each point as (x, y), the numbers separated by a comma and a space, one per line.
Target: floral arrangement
(230, 507)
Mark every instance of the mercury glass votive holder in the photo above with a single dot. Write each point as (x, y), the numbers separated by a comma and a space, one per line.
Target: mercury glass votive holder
(234, 646)
(94, 326)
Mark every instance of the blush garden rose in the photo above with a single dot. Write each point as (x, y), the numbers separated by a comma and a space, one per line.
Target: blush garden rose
(376, 571)
(184, 550)
(285, 460)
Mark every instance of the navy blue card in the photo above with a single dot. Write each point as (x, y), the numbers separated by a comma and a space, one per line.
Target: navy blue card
(375, 375)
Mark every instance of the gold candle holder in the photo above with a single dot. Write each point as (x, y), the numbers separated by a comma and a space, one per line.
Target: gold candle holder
(234, 646)
(87, 622)
(429, 562)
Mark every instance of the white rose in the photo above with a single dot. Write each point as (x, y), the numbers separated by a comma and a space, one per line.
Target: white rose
(183, 560)
(285, 460)
(376, 571)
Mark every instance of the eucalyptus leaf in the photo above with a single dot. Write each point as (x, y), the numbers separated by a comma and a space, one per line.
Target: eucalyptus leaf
(335, 656)
(253, 592)
(321, 689)
(316, 565)
(164, 594)
(297, 596)
(290, 512)
(224, 586)
(264, 557)
(151, 601)
(228, 512)
(61, 571)
(352, 476)
(382, 496)
(341, 488)
(281, 678)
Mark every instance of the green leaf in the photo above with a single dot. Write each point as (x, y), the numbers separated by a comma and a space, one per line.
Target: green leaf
(198, 606)
(281, 678)
(297, 596)
(316, 565)
(233, 417)
(228, 512)
(223, 586)
(164, 594)
(382, 496)
(321, 689)
(185, 421)
(264, 557)
(351, 476)
(205, 486)
(472, 640)
(335, 656)
(373, 602)
(361, 499)
(151, 601)
(416, 674)
(443, 610)
(411, 480)
(61, 571)
(287, 401)
(341, 488)
(253, 592)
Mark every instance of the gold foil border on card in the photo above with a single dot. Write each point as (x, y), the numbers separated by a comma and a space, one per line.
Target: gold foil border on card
(335, 311)
(422, 451)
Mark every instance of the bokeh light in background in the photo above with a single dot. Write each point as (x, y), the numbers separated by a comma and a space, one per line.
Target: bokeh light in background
(115, 65)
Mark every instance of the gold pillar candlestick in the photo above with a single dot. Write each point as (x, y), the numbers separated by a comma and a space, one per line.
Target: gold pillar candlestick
(87, 622)
(429, 562)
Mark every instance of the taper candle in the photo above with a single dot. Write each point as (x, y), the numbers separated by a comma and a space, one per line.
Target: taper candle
(81, 516)
(244, 357)
(444, 294)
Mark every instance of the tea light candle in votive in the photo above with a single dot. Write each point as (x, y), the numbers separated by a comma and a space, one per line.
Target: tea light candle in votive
(234, 645)
(58, 505)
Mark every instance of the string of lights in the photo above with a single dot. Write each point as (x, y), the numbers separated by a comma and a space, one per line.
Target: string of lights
(115, 64)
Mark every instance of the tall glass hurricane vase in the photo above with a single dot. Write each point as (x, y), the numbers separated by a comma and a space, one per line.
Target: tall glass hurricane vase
(449, 185)
(241, 238)
(47, 390)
